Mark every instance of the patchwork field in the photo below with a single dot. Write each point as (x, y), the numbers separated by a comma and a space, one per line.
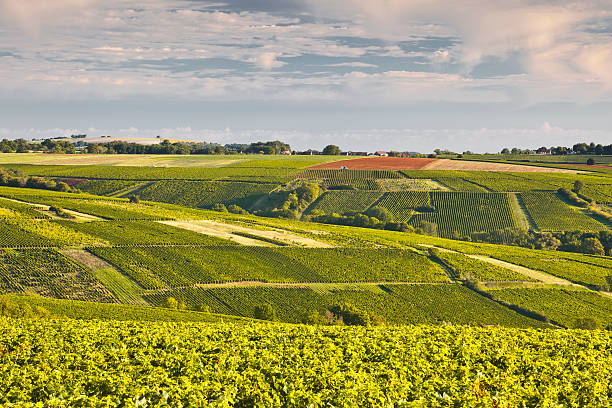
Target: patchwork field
(400, 163)
(166, 249)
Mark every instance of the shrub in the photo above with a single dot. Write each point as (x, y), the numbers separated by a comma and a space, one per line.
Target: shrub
(60, 212)
(587, 323)
(219, 207)
(426, 208)
(172, 303)
(135, 199)
(265, 312)
(577, 186)
(590, 162)
(380, 213)
(351, 316)
(592, 246)
(63, 187)
(235, 209)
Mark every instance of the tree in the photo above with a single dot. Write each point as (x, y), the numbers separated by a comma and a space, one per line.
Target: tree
(172, 303)
(307, 192)
(429, 228)
(590, 161)
(380, 213)
(135, 199)
(332, 150)
(265, 312)
(592, 246)
(577, 186)
(62, 186)
(505, 150)
(235, 209)
(351, 316)
(219, 207)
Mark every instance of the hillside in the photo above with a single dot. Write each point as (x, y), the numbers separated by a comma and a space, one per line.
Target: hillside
(111, 250)
(162, 303)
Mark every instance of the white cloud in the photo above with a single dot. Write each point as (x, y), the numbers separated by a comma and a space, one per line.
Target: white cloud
(267, 60)
(89, 49)
(354, 65)
(547, 32)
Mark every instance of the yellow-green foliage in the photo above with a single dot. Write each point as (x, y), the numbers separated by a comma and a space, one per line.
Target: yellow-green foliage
(69, 363)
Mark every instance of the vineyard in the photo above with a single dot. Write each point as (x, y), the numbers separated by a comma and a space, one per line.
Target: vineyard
(396, 304)
(48, 273)
(355, 179)
(583, 269)
(563, 306)
(234, 263)
(464, 213)
(205, 194)
(248, 174)
(160, 267)
(470, 268)
(154, 364)
(133, 233)
(105, 187)
(341, 202)
(550, 213)
(403, 204)
(25, 232)
(19, 209)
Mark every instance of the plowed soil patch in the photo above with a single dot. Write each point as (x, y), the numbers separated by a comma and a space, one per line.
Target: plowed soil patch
(377, 163)
(401, 163)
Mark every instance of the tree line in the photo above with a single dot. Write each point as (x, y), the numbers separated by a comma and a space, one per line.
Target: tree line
(124, 147)
(578, 148)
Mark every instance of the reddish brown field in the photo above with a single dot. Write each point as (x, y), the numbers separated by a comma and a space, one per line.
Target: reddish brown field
(401, 163)
(378, 163)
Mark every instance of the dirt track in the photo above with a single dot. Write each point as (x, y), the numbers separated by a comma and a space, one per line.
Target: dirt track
(226, 231)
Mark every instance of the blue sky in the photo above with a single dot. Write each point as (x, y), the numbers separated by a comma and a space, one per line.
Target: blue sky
(392, 74)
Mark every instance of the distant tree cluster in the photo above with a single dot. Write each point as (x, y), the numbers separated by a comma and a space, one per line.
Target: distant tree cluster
(595, 243)
(332, 150)
(579, 148)
(56, 145)
(166, 147)
(10, 178)
(47, 145)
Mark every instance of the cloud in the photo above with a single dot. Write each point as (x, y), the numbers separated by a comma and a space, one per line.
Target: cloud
(353, 64)
(267, 60)
(410, 50)
(542, 30)
(30, 15)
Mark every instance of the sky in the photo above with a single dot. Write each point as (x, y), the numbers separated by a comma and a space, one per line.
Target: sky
(408, 75)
